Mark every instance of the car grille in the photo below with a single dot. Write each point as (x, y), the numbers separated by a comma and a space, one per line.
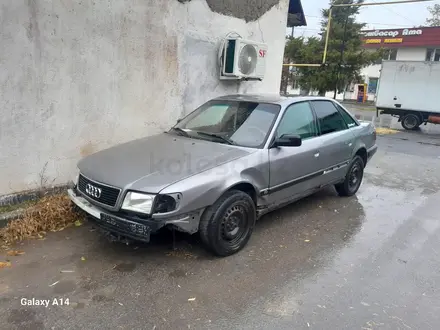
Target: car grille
(107, 196)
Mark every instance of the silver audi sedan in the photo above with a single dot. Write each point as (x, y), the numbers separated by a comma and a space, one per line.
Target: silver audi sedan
(222, 167)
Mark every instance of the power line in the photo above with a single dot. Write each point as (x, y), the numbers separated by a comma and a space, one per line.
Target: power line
(370, 23)
(396, 13)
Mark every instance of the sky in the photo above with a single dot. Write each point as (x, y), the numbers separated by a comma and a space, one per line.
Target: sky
(377, 17)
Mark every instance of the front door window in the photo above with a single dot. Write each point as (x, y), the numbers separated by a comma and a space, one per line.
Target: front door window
(298, 119)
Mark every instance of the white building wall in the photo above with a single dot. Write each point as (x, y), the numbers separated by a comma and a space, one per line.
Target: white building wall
(78, 77)
(411, 54)
(371, 71)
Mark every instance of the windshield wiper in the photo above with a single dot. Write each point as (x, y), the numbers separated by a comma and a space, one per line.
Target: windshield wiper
(220, 137)
(180, 131)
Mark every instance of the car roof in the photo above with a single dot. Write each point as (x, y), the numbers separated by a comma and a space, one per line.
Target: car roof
(270, 98)
(266, 98)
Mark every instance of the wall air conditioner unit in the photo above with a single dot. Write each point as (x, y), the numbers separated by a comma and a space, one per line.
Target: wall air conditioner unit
(242, 59)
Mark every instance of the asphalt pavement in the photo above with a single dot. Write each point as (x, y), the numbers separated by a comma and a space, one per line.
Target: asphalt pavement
(371, 261)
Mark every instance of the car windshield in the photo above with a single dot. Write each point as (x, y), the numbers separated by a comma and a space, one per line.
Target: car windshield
(239, 123)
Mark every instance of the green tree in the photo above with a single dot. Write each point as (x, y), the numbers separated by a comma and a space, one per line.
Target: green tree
(345, 55)
(434, 20)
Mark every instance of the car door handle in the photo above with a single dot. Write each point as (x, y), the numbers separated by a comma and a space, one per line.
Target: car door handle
(316, 155)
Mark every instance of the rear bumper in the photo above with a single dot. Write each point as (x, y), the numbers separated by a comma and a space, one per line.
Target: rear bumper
(137, 230)
(371, 152)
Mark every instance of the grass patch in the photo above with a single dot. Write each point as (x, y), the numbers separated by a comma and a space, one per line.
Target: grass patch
(51, 213)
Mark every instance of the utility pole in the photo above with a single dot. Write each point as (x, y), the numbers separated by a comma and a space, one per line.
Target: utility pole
(341, 61)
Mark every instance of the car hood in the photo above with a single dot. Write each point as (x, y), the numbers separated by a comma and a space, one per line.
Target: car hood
(150, 164)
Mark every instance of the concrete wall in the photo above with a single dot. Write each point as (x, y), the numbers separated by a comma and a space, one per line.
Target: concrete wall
(80, 76)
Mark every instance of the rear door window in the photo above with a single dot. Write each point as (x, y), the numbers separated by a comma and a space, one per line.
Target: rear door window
(329, 118)
(347, 118)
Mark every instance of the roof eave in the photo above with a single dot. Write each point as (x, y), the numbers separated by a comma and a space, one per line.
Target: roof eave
(296, 15)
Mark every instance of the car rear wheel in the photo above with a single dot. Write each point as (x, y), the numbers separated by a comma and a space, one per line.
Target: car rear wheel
(353, 179)
(227, 226)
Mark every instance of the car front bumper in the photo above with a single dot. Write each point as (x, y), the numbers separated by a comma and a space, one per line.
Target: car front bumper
(139, 230)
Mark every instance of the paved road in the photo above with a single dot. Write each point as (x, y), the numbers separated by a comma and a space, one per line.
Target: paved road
(367, 262)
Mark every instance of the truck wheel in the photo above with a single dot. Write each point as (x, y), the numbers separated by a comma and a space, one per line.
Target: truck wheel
(353, 179)
(226, 226)
(411, 122)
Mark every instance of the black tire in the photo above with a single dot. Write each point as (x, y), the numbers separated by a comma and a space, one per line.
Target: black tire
(226, 226)
(411, 122)
(353, 179)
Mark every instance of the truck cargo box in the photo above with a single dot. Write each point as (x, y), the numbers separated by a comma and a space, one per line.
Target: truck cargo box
(409, 86)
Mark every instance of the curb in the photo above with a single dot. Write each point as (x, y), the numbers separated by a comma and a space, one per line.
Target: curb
(30, 195)
(25, 196)
(5, 218)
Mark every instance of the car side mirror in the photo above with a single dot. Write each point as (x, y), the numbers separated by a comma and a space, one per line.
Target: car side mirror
(288, 140)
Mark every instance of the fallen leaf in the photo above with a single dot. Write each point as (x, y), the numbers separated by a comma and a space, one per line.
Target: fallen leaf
(191, 299)
(78, 223)
(5, 264)
(14, 253)
(83, 259)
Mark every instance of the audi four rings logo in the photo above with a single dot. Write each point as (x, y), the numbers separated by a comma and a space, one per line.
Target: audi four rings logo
(93, 191)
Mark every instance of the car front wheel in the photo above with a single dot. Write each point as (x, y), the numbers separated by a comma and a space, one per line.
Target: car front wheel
(353, 179)
(227, 226)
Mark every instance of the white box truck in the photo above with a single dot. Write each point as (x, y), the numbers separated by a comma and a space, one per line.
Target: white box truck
(410, 90)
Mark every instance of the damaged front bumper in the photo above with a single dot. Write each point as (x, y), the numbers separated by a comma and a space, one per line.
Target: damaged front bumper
(139, 229)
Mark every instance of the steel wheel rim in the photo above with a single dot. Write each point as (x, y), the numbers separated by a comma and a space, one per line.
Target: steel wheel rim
(355, 176)
(234, 225)
(411, 121)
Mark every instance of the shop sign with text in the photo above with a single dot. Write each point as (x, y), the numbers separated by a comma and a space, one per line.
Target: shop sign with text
(417, 37)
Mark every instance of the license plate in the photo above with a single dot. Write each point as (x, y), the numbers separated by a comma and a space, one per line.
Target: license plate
(126, 225)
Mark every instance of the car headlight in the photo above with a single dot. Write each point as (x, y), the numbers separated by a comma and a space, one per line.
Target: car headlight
(137, 202)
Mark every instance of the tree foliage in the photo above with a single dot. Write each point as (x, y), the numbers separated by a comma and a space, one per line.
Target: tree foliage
(434, 20)
(345, 55)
